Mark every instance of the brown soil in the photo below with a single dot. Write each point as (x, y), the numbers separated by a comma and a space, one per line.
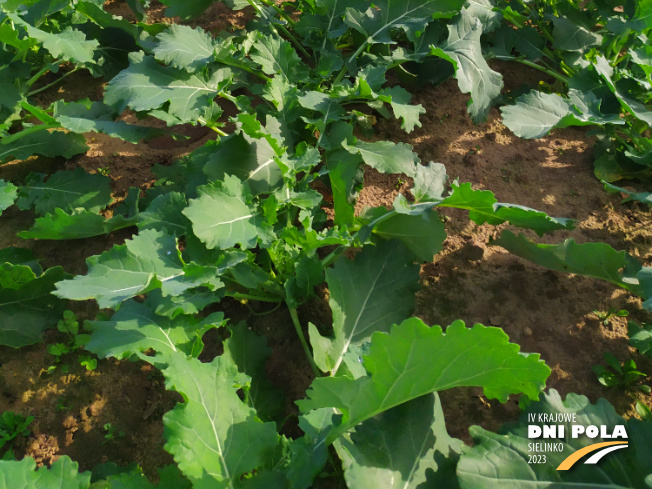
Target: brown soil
(545, 312)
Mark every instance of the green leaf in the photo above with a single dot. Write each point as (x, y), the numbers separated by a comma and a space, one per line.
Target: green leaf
(146, 85)
(430, 182)
(411, 16)
(640, 337)
(8, 194)
(64, 474)
(482, 207)
(27, 307)
(165, 213)
(570, 36)
(473, 74)
(86, 116)
(423, 234)
(221, 216)
(50, 144)
(192, 301)
(135, 329)
(385, 282)
(343, 171)
(251, 160)
(69, 45)
(643, 197)
(535, 114)
(67, 190)
(213, 436)
(480, 356)
(399, 99)
(406, 447)
(277, 56)
(386, 156)
(250, 353)
(500, 461)
(78, 224)
(147, 261)
(598, 260)
(184, 48)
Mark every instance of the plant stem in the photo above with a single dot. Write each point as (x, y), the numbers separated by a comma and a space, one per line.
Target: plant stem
(242, 296)
(553, 74)
(25, 132)
(279, 11)
(49, 85)
(302, 339)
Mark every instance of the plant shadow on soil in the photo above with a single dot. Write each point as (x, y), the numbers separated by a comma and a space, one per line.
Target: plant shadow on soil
(545, 312)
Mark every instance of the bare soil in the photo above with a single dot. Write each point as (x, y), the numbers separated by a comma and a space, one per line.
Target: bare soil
(545, 312)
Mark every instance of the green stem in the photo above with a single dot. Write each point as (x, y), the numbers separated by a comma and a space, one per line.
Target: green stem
(38, 75)
(25, 132)
(296, 43)
(302, 339)
(49, 85)
(553, 74)
(211, 127)
(252, 297)
(279, 11)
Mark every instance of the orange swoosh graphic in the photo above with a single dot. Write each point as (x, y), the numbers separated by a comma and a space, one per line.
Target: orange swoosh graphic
(571, 459)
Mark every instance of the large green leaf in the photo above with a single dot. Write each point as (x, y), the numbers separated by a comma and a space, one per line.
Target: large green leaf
(67, 190)
(184, 48)
(251, 160)
(414, 359)
(411, 16)
(70, 44)
(250, 353)
(134, 328)
(536, 113)
(147, 261)
(221, 217)
(386, 156)
(473, 74)
(277, 56)
(51, 144)
(483, 207)
(214, 437)
(499, 461)
(78, 224)
(146, 85)
(598, 260)
(367, 294)
(8, 194)
(27, 307)
(86, 116)
(64, 474)
(406, 447)
(164, 213)
(423, 233)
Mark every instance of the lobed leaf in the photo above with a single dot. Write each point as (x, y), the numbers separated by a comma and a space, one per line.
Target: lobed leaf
(27, 307)
(8, 194)
(135, 328)
(473, 74)
(406, 447)
(147, 261)
(480, 356)
(66, 190)
(45, 143)
(386, 281)
(213, 436)
(146, 85)
(221, 216)
(64, 474)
